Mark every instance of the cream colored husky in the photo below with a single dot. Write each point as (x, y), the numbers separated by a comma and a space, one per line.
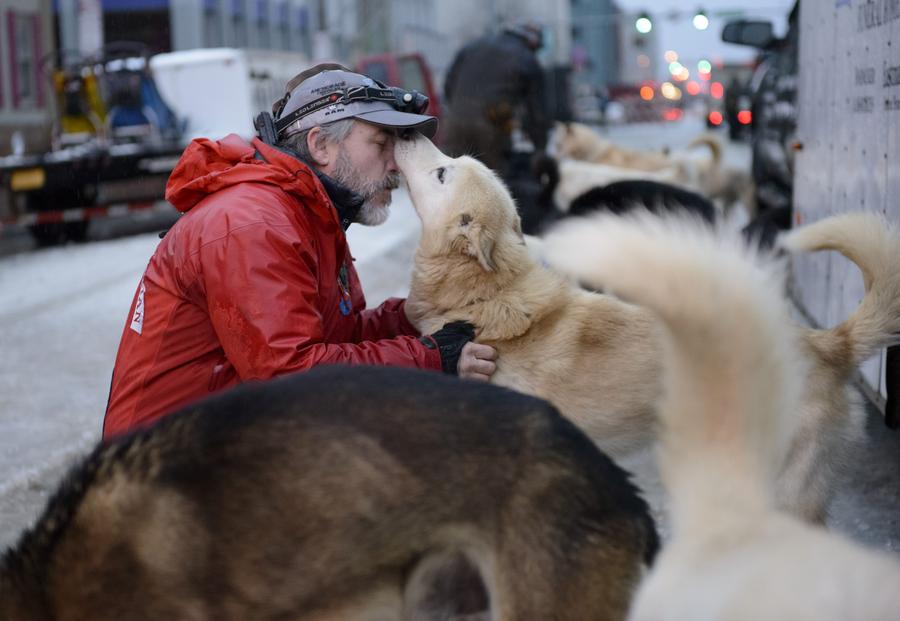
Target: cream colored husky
(709, 175)
(735, 381)
(597, 358)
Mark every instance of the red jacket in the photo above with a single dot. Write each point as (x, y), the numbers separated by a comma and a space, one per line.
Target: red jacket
(254, 280)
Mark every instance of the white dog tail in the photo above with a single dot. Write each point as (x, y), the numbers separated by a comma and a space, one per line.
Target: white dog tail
(873, 245)
(732, 371)
(713, 144)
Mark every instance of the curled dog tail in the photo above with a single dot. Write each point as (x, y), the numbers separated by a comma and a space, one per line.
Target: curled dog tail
(732, 370)
(713, 144)
(873, 245)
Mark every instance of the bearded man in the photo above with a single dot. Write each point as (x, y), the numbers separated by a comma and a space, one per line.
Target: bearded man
(256, 278)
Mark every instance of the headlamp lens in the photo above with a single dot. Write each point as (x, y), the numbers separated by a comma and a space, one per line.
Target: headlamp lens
(409, 101)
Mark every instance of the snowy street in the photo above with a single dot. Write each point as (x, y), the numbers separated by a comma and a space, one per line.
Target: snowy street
(63, 310)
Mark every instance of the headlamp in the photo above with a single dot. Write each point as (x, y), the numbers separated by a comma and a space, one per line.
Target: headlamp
(400, 99)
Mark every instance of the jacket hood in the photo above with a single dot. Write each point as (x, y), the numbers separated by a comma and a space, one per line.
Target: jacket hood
(207, 166)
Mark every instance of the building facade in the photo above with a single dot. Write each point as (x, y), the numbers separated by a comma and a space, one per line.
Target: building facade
(339, 30)
(285, 25)
(596, 27)
(26, 106)
(639, 53)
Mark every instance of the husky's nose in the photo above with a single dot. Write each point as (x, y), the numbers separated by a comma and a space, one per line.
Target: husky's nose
(402, 150)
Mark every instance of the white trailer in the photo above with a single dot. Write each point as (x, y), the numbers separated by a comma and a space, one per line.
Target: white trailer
(848, 156)
(220, 90)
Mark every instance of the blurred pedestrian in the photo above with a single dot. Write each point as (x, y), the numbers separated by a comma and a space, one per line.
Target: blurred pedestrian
(494, 84)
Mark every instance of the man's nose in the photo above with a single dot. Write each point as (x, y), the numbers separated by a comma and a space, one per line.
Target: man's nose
(392, 163)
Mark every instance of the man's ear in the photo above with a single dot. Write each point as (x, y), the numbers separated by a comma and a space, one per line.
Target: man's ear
(318, 148)
(475, 241)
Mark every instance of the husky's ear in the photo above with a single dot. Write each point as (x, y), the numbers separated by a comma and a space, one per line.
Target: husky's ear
(476, 242)
(517, 225)
(483, 247)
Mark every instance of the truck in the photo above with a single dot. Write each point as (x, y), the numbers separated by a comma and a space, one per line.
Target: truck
(827, 140)
(114, 139)
(123, 118)
(218, 91)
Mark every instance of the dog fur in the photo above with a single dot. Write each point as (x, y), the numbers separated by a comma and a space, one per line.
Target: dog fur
(733, 386)
(728, 186)
(830, 416)
(352, 493)
(577, 177)
(580, 142)
(623, 196)
(538, 211)
(597, 358)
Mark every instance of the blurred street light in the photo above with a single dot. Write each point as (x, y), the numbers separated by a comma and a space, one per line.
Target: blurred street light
(643, 24)
(701, 21)
(670, 91)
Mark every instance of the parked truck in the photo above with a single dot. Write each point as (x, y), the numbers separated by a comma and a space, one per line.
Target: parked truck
(827, 140)
(114, 139)
(219, 91)
(122, 120)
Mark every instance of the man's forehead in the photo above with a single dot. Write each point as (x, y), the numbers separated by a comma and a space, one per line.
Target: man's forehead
(377, 130)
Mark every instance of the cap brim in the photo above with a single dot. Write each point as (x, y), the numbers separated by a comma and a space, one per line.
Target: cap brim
(425, 124)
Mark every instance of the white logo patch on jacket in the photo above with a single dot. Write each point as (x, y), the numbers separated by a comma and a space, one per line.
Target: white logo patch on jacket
(137, 319)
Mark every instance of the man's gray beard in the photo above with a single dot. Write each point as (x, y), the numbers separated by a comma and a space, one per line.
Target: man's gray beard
(371, 213)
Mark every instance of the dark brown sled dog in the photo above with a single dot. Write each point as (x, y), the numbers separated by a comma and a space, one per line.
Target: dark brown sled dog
(341, 493)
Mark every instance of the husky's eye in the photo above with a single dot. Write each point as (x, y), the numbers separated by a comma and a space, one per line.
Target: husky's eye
(440, 173)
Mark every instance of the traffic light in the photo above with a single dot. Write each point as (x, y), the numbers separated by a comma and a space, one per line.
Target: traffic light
(700, 21)
(643, 24)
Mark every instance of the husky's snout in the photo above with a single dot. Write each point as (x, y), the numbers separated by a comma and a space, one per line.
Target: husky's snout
(402, 150)
(417, 151)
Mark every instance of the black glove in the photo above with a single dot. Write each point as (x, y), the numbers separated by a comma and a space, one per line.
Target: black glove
(450, 340)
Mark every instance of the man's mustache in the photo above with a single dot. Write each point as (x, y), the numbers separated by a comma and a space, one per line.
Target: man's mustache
(391, 182)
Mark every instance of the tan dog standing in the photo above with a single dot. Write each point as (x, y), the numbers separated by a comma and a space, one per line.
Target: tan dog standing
(592, 356)
(597, 358)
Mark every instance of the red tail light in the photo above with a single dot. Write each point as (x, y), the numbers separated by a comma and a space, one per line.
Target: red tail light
(715, 117)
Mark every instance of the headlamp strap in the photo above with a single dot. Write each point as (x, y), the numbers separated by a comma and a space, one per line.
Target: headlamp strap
(364, 93)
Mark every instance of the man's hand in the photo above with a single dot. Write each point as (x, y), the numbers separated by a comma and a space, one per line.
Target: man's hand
(461, 356)
(476, 361)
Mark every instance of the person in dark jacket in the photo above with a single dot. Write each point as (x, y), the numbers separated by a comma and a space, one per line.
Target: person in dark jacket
(256, 279)
(493, 83)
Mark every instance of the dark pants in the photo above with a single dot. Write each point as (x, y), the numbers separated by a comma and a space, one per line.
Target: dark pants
(473, 133)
